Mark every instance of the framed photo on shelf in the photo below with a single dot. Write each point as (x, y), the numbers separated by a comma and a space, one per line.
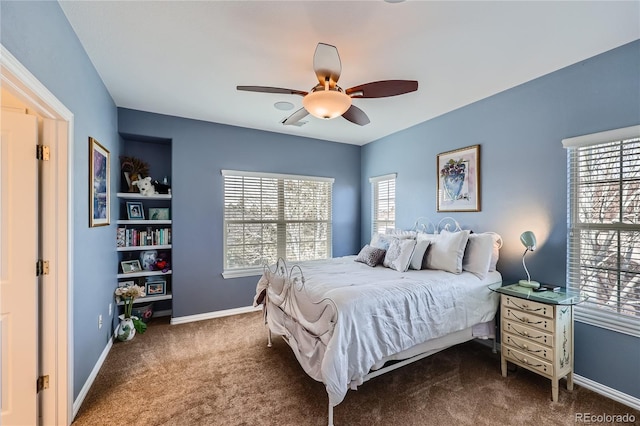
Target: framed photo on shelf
(126, 283)
(161, 213)
(99, 184)
(129, 266)
(156, 288)
(459, 180)
(135, 211)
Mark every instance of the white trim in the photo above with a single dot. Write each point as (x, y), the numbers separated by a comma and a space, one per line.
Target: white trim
(607, 320)
(216, 314)
(602, 137)
(616, 395)
(92, 377)
(37, 97)
(243, 272)
(376, 179)
(276, 175)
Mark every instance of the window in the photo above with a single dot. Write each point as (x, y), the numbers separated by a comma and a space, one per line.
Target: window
(384, 202)
(268, 216)
(603, 247)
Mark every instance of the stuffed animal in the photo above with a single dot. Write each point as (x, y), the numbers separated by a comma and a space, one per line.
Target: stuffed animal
(161, 188)
(144, 186)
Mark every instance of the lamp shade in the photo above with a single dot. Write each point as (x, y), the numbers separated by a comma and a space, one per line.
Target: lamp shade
(326, 104)
(528, 239)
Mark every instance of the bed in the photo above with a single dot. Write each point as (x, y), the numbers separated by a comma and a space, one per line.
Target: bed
(405, 296)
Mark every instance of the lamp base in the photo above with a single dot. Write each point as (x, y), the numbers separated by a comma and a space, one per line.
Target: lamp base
(530, 284)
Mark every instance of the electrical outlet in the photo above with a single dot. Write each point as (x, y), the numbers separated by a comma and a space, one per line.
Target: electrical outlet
(99, 321)
(110, 309)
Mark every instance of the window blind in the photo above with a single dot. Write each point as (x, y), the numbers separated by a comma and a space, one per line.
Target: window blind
(268, 216)
(603, 246)
(384, 203)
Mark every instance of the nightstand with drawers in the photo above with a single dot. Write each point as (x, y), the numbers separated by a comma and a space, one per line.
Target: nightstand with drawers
(537, 332)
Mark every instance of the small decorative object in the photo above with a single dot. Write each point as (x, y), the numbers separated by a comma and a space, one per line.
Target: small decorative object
(162, 188)
(160, 213)
(143, 312)
(145, 186)
(459, 180)
(134, 169)
(148, 259)
(162, 264)
(155, 288)
(528, 239)
(130, 266)
(135, 211)
(129, 324)
(99, 184)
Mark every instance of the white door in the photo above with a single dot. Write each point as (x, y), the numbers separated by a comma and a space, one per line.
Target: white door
(18, 282)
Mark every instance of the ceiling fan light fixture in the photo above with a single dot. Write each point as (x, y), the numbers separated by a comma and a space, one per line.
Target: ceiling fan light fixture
(326, 104)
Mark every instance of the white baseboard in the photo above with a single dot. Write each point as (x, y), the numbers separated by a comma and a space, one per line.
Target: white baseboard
(616, 395)
(92, 377)
(216, 314)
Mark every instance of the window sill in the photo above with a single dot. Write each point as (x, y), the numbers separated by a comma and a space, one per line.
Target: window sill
(239, 273)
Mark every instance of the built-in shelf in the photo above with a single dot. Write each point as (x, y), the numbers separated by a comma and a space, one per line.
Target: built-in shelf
(149, 299)
(143, 274)
(144, 222)
(135, 248)
(137, 196)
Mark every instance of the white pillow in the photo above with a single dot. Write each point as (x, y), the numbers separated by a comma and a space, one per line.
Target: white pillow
(447, 250)
(399, 233)
(477, 255)
(495, 255)
(381, 241)
(422, 244)
(399, 254)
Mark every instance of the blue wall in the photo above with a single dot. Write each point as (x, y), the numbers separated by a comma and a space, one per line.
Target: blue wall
(40, 37)
(523, 178)
(199, 151)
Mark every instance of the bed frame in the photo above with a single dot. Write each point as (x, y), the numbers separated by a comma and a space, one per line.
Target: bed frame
(294, 282)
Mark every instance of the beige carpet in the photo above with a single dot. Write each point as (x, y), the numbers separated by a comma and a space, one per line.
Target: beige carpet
(220, 372)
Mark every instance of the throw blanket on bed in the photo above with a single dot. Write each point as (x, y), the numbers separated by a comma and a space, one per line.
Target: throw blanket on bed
(381, 312)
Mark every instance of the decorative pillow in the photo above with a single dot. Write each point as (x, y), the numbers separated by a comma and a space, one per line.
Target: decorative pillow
(497, 243)
(447, 250)
(381, 241)
(477, 255)
(371, 256)
(399, 233)
(422, 244)
(399, 254)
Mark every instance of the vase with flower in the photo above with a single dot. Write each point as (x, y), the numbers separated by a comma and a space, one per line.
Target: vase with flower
(129, 324)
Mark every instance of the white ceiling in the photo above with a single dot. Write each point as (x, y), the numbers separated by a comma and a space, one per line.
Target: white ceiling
(186, 58)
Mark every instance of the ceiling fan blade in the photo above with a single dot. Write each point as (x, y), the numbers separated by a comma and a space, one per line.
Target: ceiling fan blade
(326, 63)
(264, 89)
(295, 117)
(383, 89)
(356, 115)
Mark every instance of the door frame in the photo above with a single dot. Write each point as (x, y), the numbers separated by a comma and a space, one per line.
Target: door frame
(58, 233)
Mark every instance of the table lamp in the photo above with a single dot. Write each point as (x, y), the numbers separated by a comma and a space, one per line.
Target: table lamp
(528, 239)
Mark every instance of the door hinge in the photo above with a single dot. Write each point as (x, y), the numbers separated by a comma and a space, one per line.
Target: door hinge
(42, 267)
(42, 152)
(42, 383)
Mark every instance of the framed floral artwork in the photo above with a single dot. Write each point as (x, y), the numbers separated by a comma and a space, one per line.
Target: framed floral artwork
(459, 180)
(99, 184)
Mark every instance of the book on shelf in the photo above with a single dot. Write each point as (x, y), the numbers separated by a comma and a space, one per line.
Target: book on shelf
(551, 287)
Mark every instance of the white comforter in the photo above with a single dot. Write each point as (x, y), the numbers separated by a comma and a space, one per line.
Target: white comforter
(381, 312)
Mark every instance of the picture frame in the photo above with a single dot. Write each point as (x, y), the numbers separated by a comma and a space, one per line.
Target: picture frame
(99, 184)
(130, 266)
(458, 177)
(126, 283)
(159, 213)
(135, 210)
(156, 288)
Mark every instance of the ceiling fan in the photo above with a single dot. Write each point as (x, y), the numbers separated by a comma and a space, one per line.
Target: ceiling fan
(327, 100)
